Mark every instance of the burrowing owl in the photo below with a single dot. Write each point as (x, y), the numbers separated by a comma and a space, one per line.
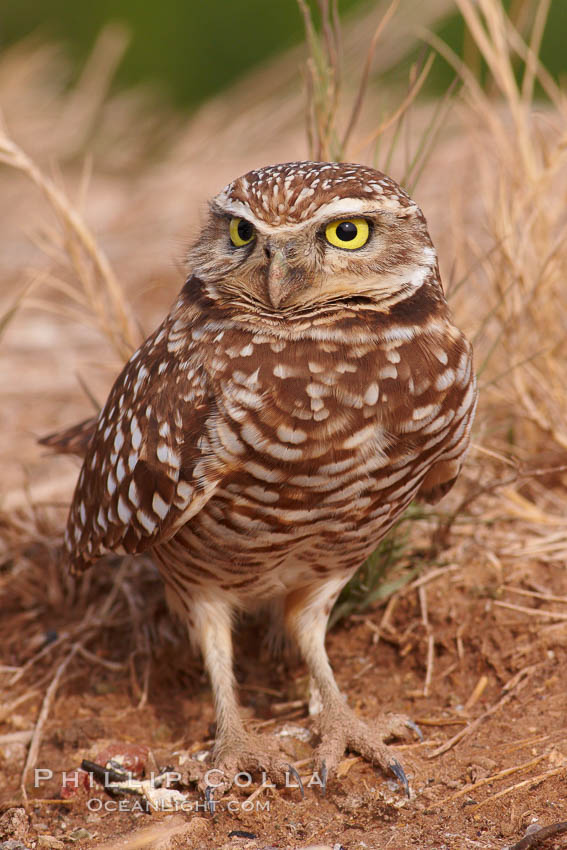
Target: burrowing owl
(307, 384)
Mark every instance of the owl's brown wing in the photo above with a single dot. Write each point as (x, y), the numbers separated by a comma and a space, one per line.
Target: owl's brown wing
(146, 469)
(72, 441)
(459, 404)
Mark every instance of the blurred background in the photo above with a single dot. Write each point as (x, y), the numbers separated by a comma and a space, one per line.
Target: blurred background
(192, 50)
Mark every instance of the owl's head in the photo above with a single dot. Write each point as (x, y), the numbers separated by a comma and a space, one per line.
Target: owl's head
(313, 234)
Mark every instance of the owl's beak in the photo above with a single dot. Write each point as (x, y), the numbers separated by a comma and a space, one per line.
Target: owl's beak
(280, 278)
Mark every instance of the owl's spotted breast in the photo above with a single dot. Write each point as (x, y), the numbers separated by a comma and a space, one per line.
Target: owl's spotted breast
(321, 440)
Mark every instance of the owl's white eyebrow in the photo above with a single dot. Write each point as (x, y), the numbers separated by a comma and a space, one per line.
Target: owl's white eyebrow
(340, 206)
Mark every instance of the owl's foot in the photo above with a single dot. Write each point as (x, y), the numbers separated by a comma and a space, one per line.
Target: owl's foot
(245, 754)
(341, 729)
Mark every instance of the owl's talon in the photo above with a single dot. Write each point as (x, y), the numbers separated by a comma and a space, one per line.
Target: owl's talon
(411, 724)
(297, 777)
(210, 801)
(324, 774)
(400, 775)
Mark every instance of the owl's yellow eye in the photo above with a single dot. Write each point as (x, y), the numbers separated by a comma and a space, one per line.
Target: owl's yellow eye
(350, 233)
(241, 232)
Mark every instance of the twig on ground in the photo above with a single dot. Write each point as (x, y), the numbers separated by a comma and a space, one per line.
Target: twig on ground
(488, 780)
(533, 780)
(531, 612)
(42, 719)
(534, 839)
(509, 688)
(478, 691)
(422, 594)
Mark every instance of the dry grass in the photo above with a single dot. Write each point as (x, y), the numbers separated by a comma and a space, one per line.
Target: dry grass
(493, 192)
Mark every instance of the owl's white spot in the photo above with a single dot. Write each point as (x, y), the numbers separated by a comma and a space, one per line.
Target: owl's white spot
(197, 333)
(316, 368)
(281, 370)
(440, 355)
(278, 345)
(320, 415)
(229, 439)
(463, 369)
(147, 522)
(466, 402)
(252, 435)
(120, 470)
(111, 483)
(371, 394)
(247, 398)
(174, 344)
(159, 506)
(133, 495)
(101, 520)
(424, 412)
(164, 429)
(142, 375)
(136, 437)
(124, 511)
(382, 482)
(82, 513)
(118, 441)
(393, 356)
(445, 380)
(260, 494)
(315, 390)
(399, 333)
(132, 460)
(359, 437)
(317, 404)
(262, 473)
(165, 454)
(343, 366)
(283, 452)
(387, 372)
(291, 435)
(184, 490)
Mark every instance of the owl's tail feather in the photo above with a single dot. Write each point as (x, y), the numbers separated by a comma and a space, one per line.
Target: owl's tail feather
(72, 441)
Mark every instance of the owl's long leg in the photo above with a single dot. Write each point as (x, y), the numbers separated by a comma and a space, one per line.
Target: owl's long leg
(306, 614)
(235, 749)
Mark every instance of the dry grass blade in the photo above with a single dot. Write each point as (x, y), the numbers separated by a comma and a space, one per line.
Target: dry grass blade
(359, 100)
(102, 291)
(413, 92)
(11, 312)
(323, 87)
